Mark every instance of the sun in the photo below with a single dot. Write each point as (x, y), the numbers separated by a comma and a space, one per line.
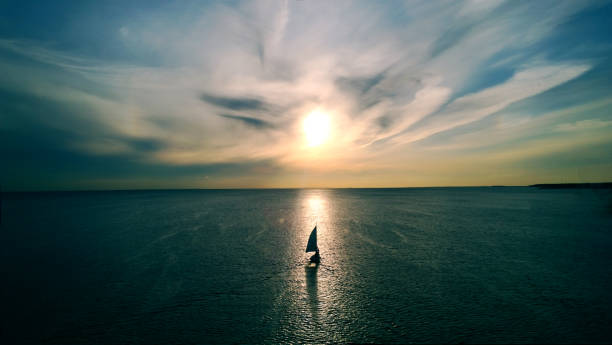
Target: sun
(316, 128)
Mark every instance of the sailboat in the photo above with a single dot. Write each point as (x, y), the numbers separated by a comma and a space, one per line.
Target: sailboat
(312, 246)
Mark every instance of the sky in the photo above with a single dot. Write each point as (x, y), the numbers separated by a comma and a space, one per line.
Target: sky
(304, 94)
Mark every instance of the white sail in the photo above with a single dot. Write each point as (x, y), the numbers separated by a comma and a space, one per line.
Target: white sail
(312, 241)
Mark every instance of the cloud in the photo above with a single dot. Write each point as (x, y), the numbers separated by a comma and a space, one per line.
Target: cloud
(583, 125)
(250, 121)
(234, 103)
(358, 85)
(525, 83)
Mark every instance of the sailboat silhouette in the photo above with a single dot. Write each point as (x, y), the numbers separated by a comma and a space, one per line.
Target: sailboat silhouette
(313, 247)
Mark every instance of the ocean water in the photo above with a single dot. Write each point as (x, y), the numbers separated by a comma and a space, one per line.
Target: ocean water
(471, 265)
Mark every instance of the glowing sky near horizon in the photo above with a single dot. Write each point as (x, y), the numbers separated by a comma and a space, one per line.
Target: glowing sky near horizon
(193, 94)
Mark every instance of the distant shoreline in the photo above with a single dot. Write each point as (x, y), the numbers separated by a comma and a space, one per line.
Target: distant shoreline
(601, 185)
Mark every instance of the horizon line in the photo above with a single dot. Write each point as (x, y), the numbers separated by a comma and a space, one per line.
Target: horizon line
(294, 188)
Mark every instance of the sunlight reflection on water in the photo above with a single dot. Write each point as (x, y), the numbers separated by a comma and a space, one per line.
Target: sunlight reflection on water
(320, 300)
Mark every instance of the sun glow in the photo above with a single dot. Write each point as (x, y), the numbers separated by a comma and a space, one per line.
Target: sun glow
(316, 128)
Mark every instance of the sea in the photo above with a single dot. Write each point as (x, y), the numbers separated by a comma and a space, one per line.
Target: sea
(413, 265)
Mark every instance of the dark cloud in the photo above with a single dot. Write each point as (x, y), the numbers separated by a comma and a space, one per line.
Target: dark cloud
(398, 86)
(43, 123)
(250, 121)
(41, 140)
(384, 121)
(166, 122)
(359, 85)
(46, 161)
(364, 89)
(234, 103)
(144, 145)
(21, 110)
(261, 50)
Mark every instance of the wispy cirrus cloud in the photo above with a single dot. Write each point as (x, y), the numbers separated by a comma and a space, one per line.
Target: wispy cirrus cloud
(583, 125)
(473, 107)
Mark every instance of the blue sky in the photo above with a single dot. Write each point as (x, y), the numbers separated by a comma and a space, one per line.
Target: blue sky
(215, 94)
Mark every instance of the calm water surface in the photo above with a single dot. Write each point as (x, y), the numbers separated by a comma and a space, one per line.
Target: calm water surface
(466, 265)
